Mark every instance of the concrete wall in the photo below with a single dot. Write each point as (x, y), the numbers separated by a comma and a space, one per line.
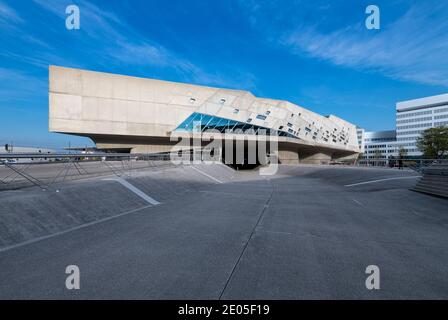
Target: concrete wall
(89, 103)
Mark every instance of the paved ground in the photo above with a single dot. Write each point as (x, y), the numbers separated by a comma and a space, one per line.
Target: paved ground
(308, 232)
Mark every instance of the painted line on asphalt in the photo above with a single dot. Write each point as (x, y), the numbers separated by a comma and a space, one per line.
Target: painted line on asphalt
(135, 190)
(354, 200)
(82, 226)
(207, 175)
(380, 180)
(275, 232)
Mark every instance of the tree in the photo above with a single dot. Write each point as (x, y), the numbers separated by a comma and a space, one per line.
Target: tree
(434, 142)
(402, 152)
(377, 155)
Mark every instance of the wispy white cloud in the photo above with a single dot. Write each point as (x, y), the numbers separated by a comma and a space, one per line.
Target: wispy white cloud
(8, 16)
(12, 79)
(148, 54)
(413, 48)
(118, 43)
(155, 55)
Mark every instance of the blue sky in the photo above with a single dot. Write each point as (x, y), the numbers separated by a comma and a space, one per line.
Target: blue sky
(317, 54)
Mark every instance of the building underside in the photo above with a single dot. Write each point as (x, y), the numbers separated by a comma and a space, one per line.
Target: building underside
(286, 151)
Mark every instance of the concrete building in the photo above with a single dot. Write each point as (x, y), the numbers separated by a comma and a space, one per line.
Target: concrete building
(415, 116)
(139, 115)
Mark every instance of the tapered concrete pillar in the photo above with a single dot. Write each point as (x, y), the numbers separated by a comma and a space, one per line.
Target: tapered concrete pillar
(288, 157)
(317, 158)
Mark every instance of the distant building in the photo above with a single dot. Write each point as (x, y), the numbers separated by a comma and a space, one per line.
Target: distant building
(26, 150)
(415, 116)
(379, 147)
(412, 118)
(360, 132)
(84, 150)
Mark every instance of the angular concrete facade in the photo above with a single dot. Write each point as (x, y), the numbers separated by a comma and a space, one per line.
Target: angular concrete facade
(140, 115)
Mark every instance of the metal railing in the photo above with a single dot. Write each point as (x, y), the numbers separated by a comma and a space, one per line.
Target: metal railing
(19, 170)
(411, 163)
(43, 170)
(97, 156)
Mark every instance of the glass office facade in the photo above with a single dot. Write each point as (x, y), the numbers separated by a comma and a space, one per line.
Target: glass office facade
(198, 122)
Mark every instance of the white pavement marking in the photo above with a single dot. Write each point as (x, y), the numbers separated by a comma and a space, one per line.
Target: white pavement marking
(71, 229)
(357, 202)
(379, 180)
(207, 175)
(137, 191)
(277, 232)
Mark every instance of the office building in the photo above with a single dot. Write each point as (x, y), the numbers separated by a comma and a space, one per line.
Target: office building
(415, 116)
(379, 147)
(360, 132)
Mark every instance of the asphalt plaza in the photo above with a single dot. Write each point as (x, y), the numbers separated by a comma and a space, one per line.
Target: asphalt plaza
(309, 232)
